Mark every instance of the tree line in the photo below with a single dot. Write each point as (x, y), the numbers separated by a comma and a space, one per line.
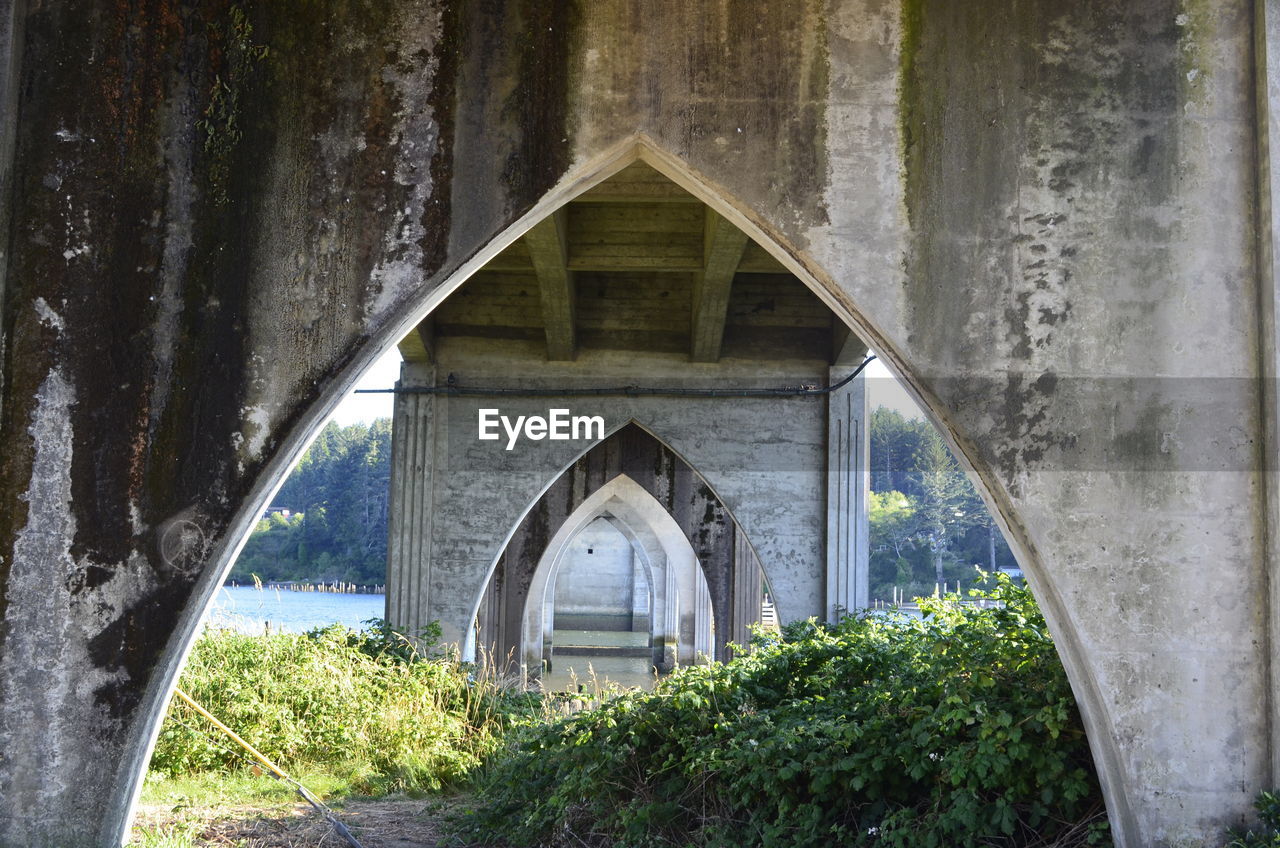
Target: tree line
(928, 524)
(336, 498)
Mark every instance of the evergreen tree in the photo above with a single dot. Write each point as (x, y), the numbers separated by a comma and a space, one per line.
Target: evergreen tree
(895, 446)
(947, 500)
(928, 523)
(338, 499)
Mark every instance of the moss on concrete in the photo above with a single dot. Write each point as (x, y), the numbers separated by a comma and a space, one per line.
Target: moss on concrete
(911, 106)
(236, 55)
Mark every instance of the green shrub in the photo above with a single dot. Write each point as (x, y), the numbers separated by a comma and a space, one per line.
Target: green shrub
(335, 699)
(380, 640)
(958, 730)
(1268, 807)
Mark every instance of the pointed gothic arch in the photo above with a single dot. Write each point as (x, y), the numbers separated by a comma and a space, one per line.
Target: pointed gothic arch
(295, 434)
(393, 161)
(636, 474)
(680, 600)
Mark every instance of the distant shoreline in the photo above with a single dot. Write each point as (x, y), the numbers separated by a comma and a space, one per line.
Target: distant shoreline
(334, 587)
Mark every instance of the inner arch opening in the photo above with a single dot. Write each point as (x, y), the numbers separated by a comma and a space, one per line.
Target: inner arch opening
(629, 279)
(605, 612)
(706, 587)
(634, 300)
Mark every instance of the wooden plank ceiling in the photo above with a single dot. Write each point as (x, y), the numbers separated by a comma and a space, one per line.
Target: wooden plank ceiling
(637, 263)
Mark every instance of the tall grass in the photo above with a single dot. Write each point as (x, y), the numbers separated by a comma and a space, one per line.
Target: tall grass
(364, 705)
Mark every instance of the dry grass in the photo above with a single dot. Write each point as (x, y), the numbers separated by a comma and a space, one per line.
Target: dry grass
(377, 824)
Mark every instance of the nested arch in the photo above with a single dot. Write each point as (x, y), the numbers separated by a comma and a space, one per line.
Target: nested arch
(677, 629)
(605, 503)
(642, 148)
(644, 483)
(302, 428)
(862, 320)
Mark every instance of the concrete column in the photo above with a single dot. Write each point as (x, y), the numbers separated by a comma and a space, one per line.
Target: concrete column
(548, 629)
(1267, 79)
(670, 632)
(704, 637)
(848, 491)
(486, 626)
(747, 596)
(641, 597)
(411, 504)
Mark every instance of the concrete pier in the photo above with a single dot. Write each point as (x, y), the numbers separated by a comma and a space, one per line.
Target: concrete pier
(1054, 221)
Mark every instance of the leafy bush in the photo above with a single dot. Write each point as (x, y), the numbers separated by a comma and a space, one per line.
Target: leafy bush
(379, 640)
(336, 699)
(958, 730)
(1268, 807)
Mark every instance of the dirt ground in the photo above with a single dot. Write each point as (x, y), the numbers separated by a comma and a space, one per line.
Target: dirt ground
(376, 824)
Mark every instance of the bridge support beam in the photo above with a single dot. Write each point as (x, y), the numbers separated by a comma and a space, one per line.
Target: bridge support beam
(409, 523)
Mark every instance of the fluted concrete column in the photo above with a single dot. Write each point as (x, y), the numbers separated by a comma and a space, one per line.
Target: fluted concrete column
(668, 607)
(704, 637)
(848, 491)
(641, 596)
(748, 580)
(411, 505)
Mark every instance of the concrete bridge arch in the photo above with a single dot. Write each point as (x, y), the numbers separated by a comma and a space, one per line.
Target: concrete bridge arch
(642, 482)
(680, 600)
(1033, 213)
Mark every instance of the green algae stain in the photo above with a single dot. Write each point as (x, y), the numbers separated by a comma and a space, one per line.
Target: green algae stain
(911, 111)
(810, 136)
(541, 98)
(219, 123)
(437, 218)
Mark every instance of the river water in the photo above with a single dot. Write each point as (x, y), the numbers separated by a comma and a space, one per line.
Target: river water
(248, 610)
(594, 673)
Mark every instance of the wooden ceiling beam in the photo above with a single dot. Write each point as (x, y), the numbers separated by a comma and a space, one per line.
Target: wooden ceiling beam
(723, 247)
(637, 264)
(419, 345)
(654, 192)
(549, 251)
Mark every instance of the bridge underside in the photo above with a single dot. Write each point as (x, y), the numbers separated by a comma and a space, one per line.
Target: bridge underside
(1054, 221)
(633, 304)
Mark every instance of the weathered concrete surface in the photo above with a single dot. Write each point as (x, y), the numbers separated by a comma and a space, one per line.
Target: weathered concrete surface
(12, 16)
(200, 232)
(602, 581)
(764, 459)
(1267, 92)
(1043, 214)
(1081, 281)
